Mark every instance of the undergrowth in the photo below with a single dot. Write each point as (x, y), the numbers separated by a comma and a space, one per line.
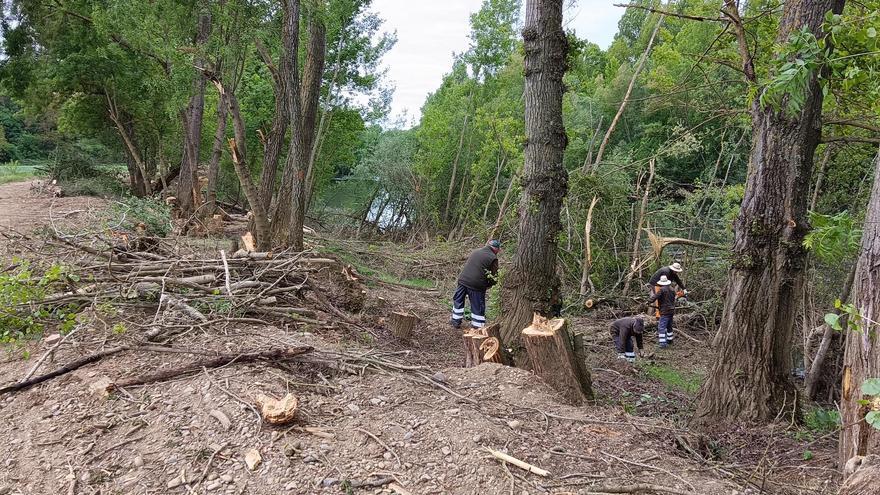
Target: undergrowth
(673, 378)
(21, 292)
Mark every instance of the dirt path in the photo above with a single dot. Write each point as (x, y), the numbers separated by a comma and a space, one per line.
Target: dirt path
(25, 209)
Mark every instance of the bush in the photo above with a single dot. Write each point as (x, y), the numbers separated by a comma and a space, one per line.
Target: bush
(153, 213)
(20, 294)
(102, 186)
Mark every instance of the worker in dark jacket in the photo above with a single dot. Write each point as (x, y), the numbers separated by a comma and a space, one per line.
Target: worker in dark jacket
(480, 272)
(671, 273)
(623, 331)
(664, 297)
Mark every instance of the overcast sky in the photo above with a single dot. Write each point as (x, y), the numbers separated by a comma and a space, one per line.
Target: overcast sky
(429, 31)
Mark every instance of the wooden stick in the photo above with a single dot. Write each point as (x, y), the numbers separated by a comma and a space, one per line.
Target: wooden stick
(61, 371)
(637, 488)
(49, 353)
(518, 463)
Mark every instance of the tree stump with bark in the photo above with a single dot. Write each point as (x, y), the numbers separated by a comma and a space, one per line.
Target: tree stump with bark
(402, 324)
(554, 358)
(483, 345)
(862, 476)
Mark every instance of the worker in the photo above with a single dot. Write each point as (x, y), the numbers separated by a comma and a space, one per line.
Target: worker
(479, 273)
(623, 331)
(664, 297)
(671, 273)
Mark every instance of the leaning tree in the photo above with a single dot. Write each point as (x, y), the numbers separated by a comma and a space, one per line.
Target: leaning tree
(531, 285)
(750, 378)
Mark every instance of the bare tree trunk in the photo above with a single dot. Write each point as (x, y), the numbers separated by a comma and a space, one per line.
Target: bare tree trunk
(634, 265)
(532, 285)
(188, 193)
(826, 157)
(587, 283)
(289, 213)
(503, 208)
(216, 154)
(273, 141)
(139, 180)
(813, 373)
(749, 380)
(862, 355)
(491, 194)
(455, 164)
(632, 82)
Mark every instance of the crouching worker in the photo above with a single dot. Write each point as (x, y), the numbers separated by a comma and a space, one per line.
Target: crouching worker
(624, 331)
(480, 272)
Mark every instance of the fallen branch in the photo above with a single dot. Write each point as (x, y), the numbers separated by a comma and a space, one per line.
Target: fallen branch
(276, 354)
(61, 371)
(518, 463)
(637, 488)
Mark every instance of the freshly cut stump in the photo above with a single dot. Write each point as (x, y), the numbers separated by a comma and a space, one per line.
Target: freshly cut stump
(552, 353)
(491, 350)
(474, 340)
(277, 412)
(402, 325)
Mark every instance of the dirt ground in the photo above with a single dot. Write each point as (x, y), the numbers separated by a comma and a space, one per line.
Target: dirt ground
(192, 434)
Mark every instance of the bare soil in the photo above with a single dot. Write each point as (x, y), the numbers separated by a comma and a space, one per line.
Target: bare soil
(426, 437)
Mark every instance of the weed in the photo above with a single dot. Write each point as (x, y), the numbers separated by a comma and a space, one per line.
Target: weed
(673, 378)
(821, 421)
(153, 213)
(20, 294)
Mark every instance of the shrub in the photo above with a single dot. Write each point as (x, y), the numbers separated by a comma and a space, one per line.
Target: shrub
(153, 213)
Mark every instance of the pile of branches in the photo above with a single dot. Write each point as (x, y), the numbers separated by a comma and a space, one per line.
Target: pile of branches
(269, 286)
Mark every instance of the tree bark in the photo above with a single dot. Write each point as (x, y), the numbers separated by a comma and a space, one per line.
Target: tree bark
(815, 370)
(402, 325)
(477, 351)
(216, 154)
(749, 380)
(862, 354)
(532, 285)
(554, 359)
(275, 138)
(188, 190)
(455, 165)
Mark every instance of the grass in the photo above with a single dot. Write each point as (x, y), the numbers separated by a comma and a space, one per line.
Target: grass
(673, 378)
(17, 173)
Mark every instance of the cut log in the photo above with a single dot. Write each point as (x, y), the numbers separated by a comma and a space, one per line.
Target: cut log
(247, 243)
(552, 354)
(490, 350)
(402, 324)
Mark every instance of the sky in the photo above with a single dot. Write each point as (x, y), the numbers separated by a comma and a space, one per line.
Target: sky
(430, 31)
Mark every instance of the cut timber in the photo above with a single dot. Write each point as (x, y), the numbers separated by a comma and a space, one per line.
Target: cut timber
(247, 243)
(402, 324)
(553, 357)
(277, 412)
(475, 338)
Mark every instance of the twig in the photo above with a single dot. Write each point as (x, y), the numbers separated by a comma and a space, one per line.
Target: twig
(648, 466)
(518, 463)
(637, 488)
(235, 397)
(210, 461)
(49, 353)
(380, 442)
(226, 272)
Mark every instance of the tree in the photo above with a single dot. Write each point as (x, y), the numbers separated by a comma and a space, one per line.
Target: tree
(750, 378)
(532, 285)
(862, 354)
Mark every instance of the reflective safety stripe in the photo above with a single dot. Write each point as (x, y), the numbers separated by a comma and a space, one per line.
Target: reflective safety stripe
(458, 311)
(457, 317)
(479, 318)
(477, 324)
(630, 354)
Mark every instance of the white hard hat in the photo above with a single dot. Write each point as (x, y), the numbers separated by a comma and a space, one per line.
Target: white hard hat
(663, 281)
(676, 267)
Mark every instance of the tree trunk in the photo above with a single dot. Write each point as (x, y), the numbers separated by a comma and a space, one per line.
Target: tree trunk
(554, 358)
(188, 190)
(749, 380)
(862, 355)
(634, 265)
(216, 154)
(455, 164)
(503, 208)
(478, 351)
(815, 370)
(532, 285)
(586, 282)
(632, 82)
(289, 213)
(820, 177)
(274, 140)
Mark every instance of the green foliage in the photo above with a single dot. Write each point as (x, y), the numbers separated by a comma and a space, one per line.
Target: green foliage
(833, 237)
(155, 214)
(674, 378)
(21, 291)
(820, 421)
(796, 62)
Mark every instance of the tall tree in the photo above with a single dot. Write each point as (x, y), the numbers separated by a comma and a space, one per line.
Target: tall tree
(862, 354)
(750, 378)
(188, 191)
(532, 285)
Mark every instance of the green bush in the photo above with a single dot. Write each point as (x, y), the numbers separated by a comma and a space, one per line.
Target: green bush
(821, 421)
(102, 186)
(153, 213)
(21, 292)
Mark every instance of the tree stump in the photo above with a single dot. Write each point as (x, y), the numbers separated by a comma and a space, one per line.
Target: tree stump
(862, 476)
(402, 324)
(474, 341)
(554, 358)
